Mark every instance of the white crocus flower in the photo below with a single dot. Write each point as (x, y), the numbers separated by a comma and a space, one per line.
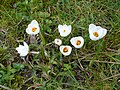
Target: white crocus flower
(77, 42)
(58, 41)
(33, 28)
(64, 30)
(23, 49)
(65, 50)
(96, 32)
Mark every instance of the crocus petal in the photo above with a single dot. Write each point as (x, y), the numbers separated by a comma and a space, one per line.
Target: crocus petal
(93, 38)
(103, 33)
(23, 50)
(65, 53)
(23, 54)
(58, 41)
(65, 26)
(37, 31)
(33, 24)
(96, 29)
(64, 30)
(20, 48)
(28, 31)
(74, 41)
(70, 28)
(60, 28)
(91, 28)
(26, 46)
(63, 34)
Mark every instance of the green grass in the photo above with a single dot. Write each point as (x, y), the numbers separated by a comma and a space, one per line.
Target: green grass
(96, 66)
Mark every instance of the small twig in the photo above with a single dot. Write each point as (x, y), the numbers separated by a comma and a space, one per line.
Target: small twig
(87, 55)
(112, 50)
(30, 64)
(97, 61)
(28, 79)
(79, 61)
(28, 61)
(105, 53)
(34, 86)
(73, 21)
(74, 85)
(49, 10)
(49, 43)
(4, 87)
(47, 34)
(111, 77)
(19, 21)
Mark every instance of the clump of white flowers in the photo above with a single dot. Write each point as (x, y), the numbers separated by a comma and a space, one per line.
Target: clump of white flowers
(95, 33)
(77, 42)
(32, 29)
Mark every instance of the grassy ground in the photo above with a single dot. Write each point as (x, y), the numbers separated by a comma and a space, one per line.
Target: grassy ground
(96, 66)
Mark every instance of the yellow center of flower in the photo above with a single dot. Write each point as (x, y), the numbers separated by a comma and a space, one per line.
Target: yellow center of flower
(65, 50)
(34, 29)
(96, 34)
(64, 30)
(78, 42)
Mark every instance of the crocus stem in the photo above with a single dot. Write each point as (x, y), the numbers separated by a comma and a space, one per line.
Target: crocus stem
(23, 59)
(32, 39)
